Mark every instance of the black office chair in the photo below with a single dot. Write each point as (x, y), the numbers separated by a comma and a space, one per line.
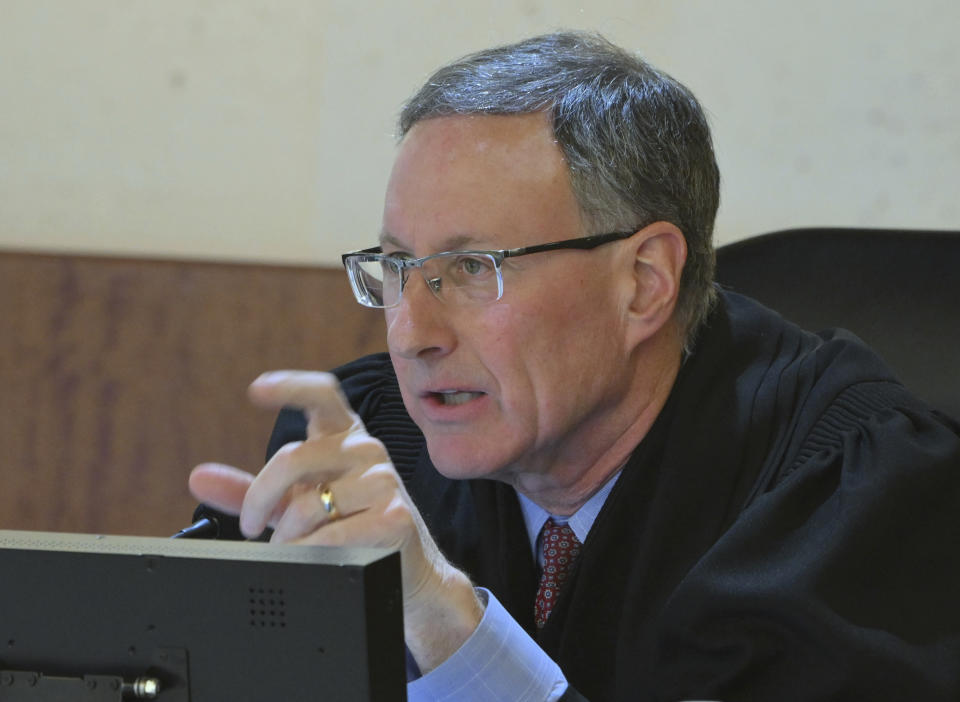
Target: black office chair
(898, 290)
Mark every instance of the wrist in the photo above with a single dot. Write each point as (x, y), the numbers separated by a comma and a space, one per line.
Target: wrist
(440, 619)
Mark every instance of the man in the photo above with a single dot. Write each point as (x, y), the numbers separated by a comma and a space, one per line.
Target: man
(750, 511)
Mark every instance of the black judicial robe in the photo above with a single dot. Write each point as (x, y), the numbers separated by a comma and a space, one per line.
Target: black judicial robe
(787, 530)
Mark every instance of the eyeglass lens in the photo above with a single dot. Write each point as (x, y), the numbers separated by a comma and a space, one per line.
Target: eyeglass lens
(460, 278)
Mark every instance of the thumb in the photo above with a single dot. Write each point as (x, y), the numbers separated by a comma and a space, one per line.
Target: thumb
(220, 486)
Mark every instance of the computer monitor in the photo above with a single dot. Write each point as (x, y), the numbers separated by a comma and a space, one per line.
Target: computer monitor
(92, 617)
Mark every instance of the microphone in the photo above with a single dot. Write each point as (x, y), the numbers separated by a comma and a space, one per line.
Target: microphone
(204, 528)
(209, 523)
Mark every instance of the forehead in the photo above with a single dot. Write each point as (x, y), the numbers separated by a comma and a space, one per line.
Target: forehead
(496, 181)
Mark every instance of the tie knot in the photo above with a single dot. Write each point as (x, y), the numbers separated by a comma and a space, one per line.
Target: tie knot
(558, 538)
(560, 548)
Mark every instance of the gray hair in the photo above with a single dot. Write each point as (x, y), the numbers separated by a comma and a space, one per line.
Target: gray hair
(635, 140)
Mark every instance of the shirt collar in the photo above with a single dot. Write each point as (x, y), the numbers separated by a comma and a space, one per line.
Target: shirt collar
(581, 521)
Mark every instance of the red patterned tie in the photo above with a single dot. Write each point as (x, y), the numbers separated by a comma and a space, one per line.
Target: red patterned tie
(560, 550)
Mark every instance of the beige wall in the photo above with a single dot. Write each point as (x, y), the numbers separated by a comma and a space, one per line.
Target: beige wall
(256, 129)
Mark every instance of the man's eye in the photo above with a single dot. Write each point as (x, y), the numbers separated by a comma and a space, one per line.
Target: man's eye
(473, 266)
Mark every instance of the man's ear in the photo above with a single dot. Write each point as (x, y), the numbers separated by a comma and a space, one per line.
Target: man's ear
(658, 252)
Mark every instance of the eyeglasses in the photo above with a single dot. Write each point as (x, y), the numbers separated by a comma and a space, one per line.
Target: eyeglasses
(455, 277)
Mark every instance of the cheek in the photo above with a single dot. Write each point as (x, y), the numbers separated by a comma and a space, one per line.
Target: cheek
(508, 326)
(509, 345)
(571, 349)
(526, 355)
(498, 340)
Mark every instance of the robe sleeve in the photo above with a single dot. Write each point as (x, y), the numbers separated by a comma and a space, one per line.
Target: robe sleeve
(842, 582)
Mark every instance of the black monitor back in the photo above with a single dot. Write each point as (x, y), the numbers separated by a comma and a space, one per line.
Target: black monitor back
(211, 621)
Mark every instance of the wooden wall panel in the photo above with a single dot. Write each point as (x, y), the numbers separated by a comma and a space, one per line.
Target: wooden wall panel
(117, 376)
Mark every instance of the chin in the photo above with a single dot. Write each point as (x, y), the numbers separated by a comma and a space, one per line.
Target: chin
(463, 460)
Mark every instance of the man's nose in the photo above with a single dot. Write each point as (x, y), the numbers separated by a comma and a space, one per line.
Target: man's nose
(420, 326)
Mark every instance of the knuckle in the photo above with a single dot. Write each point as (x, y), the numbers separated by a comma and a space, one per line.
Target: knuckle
(364, 446)
(382, 473)
(285, 452)
(398, 516)
(381, 482)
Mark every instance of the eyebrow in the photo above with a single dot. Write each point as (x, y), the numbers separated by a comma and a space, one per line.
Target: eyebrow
(453, 243)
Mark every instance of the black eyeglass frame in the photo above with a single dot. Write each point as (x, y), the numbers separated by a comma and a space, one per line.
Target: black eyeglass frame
(498, 255)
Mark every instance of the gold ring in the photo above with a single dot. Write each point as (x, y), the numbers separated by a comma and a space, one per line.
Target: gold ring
(326, 499)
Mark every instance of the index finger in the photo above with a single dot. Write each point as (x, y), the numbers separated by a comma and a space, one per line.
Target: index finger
(317, 394)
(220, 486)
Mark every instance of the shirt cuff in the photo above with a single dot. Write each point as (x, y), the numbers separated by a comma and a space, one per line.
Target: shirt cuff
(498, 663)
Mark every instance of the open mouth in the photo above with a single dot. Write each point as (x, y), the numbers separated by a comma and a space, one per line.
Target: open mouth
(452, 398)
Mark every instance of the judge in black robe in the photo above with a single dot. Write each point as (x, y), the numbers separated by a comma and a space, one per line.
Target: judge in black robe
(787, 530)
